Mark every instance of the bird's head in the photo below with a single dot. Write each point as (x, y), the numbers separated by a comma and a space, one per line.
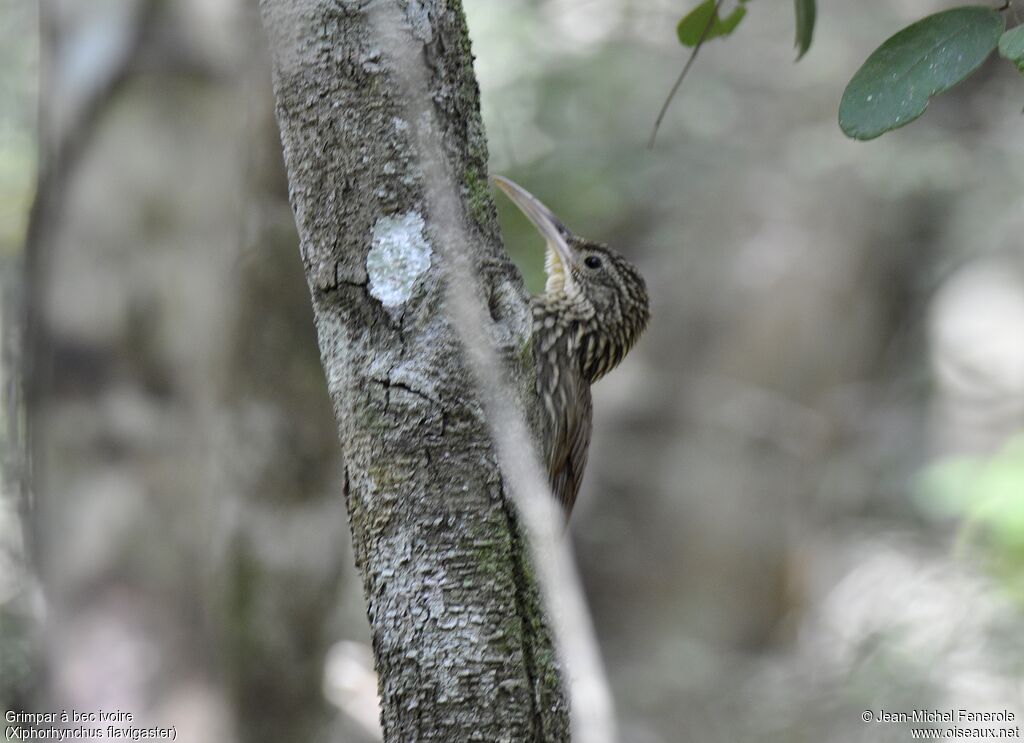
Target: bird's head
(608, 291)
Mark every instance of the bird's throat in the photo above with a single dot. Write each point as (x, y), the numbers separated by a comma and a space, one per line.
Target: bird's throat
(554, 267)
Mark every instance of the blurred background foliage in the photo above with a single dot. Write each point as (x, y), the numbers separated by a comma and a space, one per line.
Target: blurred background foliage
(18, 76)
(986, 494)
(19, 50)
(806, 484)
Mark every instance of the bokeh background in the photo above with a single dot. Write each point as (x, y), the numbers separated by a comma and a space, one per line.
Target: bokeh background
(805, 495)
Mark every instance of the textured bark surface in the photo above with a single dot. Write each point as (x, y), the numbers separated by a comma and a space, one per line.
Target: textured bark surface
(462, 650)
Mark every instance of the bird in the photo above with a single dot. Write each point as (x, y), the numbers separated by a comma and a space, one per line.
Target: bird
(592, 312)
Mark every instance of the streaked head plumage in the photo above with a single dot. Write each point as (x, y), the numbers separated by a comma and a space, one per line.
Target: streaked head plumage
(598, 289)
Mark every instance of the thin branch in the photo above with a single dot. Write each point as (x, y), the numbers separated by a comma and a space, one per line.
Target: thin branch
(682, 75)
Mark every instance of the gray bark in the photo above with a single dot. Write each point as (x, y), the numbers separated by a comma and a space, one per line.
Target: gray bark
(462, 648)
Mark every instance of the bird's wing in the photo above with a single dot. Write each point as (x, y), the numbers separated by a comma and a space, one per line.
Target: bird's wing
(569, 457)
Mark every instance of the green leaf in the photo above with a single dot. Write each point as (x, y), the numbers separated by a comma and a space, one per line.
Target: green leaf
(1011, 46)
(894, 85)
(691, 30)
(984, 491)
(806, 13)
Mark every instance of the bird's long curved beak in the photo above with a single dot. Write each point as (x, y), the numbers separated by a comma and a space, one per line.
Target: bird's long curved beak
(559, 255)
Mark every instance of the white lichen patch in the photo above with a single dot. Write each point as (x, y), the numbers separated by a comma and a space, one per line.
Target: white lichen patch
(419, 19)
(399, 255)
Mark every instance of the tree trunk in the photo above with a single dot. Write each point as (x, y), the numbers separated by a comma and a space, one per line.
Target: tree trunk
(378, 108)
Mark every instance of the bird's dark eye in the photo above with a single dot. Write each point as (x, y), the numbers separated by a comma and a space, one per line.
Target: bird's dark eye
(592, 261)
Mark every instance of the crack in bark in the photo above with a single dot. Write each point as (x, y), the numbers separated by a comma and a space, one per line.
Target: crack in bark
(362, 283)
(389, 383)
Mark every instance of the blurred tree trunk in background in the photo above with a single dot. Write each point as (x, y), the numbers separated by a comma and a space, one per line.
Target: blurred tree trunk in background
(375, 100)
(288, 554)
(187, 525)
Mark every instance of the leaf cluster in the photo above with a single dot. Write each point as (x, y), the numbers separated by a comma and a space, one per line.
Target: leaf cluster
(895, 84)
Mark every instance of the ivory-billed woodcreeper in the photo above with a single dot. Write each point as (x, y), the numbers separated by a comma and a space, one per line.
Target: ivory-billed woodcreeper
(593, 309)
